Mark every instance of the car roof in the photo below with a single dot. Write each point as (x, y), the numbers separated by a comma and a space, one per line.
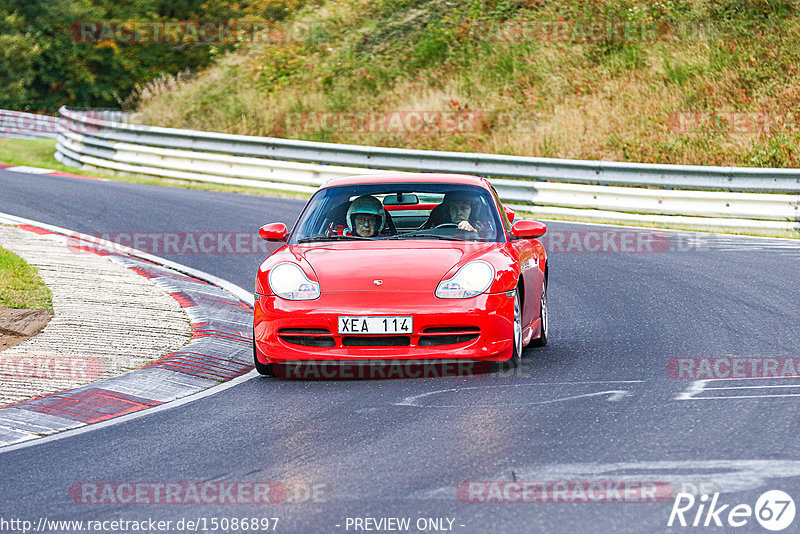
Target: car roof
(406, 177)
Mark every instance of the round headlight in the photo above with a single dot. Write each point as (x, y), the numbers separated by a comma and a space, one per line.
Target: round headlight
(471, 280)
(288, 281)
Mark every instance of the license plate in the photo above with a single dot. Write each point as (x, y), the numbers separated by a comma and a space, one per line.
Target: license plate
(375, 325)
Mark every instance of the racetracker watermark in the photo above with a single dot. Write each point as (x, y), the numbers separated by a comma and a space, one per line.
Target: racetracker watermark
(383, 369)
(622, 241)
(178, 493)
(586, 31)
(221, 32)
(449, 122)
(200, 32)
(564, 492)
(408, 121)
(734, 122)
(728, 367)
(170, 243)
(83, 368)
(29, 123)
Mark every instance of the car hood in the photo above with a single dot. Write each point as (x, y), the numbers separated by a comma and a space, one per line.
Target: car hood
(412, 266)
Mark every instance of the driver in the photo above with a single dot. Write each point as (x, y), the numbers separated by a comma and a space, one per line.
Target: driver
(457, 207)
(365, 217)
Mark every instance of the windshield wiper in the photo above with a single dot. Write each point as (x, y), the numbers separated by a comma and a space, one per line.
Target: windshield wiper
(332, 238)
(431, 236)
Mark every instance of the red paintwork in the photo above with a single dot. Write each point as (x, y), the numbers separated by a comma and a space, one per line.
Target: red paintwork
(34, 229)
(273, 232)
(410, 271)
(409, 177)
(528, 229)
(410, 207)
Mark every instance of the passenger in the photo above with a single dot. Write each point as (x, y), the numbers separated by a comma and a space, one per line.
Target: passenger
(365, 217)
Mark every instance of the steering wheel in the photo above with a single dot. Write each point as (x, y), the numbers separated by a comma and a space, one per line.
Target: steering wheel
(445, 225)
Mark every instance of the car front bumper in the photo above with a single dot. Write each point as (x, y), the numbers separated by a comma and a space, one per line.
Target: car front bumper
(477, 329)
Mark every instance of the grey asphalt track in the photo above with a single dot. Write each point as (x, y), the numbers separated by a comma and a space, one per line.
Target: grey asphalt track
(596, 404)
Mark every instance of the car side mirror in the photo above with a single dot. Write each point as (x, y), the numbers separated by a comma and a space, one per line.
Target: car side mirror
(523, 229)
(509, 213)
(273, 232)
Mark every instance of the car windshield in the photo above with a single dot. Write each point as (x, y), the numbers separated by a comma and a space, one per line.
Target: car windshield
(400, 211)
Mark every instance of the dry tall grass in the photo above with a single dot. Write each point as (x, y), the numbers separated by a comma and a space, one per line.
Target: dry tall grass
(562, 100)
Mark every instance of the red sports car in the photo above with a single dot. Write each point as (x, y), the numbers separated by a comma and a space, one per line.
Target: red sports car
(424, 267)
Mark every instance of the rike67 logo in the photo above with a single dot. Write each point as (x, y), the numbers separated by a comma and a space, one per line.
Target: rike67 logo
(774, 510)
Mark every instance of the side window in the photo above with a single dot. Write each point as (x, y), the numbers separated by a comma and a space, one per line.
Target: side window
(503, 215)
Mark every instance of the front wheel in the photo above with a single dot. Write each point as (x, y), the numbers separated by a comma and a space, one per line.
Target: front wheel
(516, 356)
(541, 341)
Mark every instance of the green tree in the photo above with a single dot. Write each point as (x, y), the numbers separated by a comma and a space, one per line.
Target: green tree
(43, 68)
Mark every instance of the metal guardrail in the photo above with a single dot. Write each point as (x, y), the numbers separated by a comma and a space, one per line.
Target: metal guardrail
(18, 124)
(560, 170)
(750, 200)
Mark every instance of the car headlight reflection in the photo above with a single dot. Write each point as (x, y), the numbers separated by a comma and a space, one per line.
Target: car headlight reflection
(288, 281)
(471, 280)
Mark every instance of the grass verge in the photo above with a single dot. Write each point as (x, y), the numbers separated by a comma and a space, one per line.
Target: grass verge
(20, 284)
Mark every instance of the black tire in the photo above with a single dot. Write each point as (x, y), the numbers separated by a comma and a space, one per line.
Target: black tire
(516, 358)
(264, 369)
(541, 341)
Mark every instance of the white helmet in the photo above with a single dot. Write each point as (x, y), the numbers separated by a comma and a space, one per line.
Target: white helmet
(367, 205)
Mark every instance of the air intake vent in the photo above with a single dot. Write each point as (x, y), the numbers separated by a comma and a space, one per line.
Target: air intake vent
(304, 331)
(429, 341)
(450, 329)
(309, 341)
(376, 341)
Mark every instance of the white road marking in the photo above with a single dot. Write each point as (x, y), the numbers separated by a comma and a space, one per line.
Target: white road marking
(614, 395)
(758, 387)
(697, 387)
(28, 170)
